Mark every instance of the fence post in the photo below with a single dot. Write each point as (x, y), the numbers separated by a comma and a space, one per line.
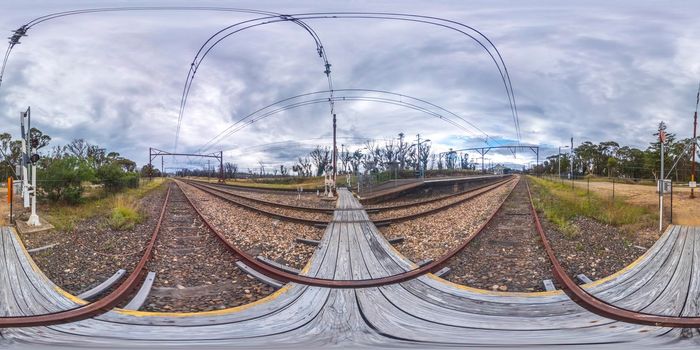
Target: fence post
(671, 216)
(588, 187)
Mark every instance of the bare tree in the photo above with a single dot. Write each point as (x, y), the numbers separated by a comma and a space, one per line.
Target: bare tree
(78, 148)
(230, 170)
(355, 160)
(284, 171)
(321, 157)
(262, 167)
(303, 167)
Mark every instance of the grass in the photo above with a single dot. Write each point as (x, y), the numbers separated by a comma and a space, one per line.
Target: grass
(121, 210)
(560, 205)
(126, 213)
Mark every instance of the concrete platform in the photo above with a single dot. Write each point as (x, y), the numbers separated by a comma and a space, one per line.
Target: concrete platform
(23, 228)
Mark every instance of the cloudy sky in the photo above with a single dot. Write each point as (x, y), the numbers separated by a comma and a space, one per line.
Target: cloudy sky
(592, 70)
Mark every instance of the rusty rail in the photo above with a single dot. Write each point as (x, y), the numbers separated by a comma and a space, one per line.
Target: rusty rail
(220, 194)
(284, 276)
(100, 306)
(598, 306)
(221, 188)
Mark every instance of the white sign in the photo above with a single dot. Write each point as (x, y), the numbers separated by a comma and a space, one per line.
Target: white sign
(692, 184)
(664, 186)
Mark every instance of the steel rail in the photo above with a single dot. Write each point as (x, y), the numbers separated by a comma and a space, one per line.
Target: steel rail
(100, 306)
(597, 306)
(287, 277)
(222, 188)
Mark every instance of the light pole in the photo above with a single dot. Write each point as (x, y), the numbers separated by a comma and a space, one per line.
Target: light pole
(559, 159)
(421, 171)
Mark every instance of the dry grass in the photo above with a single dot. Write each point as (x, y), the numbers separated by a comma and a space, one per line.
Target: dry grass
(126, 212)
(121, 209)
(560, 205)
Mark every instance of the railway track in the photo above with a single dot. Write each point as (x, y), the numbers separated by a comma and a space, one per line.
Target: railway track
(194, 270)
(404, 212)
(284, 212)
(579, 295)
(509, 246)
(273, 208)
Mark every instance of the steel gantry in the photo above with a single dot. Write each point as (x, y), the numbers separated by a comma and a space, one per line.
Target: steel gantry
(153, 153)
(513, 149)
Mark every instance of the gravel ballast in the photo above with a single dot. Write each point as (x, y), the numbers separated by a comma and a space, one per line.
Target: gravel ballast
(256, 233)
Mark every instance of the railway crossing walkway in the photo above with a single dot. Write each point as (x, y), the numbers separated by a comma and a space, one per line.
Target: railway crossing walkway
(424, 312)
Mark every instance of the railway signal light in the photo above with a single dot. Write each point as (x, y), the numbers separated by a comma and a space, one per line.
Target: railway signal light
(34, 158)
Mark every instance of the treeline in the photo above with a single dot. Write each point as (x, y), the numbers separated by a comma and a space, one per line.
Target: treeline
(63, 169)
(612, 160)
(393, 155)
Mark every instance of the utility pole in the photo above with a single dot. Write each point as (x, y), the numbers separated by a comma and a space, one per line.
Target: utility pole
(335, 152)
(662, 139)
(221, 167)
(695, 142)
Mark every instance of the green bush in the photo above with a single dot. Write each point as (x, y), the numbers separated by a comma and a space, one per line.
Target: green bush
(114, 178)
(125, 214)
(61, 179)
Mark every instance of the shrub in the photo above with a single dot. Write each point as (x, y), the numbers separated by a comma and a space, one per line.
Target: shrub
(114, 178)
(61, 179)
(125, 214)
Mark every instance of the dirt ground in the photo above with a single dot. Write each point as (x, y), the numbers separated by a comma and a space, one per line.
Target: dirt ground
(686, 211)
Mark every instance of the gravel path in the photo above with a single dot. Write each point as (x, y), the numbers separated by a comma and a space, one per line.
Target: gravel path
(92, 251)
(433, 235)
(256, 233)
(194, 270)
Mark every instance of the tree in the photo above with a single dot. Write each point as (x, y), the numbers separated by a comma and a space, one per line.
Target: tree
(43, 140)
(149, 171)
(78, 148)
(230, 169)
(114, 179)
(321, 157)
(62, 179)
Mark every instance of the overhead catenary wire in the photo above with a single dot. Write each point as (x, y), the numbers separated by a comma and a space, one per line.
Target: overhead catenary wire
(242, 124)
(505, 77)
(299, 18)
(224, 133)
